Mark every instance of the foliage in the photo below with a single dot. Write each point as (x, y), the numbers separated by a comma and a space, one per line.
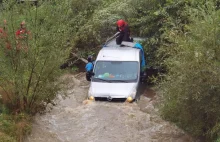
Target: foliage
(29, 71)
(155, 23)
(6, 138)
(13, 127)
(96, 22)
(191, 86)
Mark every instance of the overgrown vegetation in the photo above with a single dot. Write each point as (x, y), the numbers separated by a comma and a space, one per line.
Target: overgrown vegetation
(182, 39)
(29, 70)
(191, 86)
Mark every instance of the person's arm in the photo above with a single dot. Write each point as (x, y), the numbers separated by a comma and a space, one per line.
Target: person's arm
(117, 29)
(119, 39)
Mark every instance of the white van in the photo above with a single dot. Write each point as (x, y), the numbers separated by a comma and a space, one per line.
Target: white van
(116, 73)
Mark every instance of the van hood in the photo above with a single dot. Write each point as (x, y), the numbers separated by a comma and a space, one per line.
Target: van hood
(114, 90)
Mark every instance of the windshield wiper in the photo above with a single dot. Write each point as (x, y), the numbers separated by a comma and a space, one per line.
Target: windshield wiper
(103, 80)
(125, 81)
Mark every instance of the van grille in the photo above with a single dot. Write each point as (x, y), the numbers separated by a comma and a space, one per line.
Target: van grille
(112, 100)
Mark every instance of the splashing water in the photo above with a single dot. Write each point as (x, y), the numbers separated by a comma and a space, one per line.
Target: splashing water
(76, 120)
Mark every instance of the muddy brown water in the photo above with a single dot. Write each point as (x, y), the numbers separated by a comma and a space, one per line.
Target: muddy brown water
(75, 120)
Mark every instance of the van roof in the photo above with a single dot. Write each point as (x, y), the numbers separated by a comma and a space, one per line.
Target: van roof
(118, 54)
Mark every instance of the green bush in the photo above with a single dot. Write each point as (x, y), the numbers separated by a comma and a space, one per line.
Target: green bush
(13, 127)
(191, 87)
(29, 78)
(96, 22)
(6, 138)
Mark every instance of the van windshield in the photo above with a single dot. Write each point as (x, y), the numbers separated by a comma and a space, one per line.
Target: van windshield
(116, 71)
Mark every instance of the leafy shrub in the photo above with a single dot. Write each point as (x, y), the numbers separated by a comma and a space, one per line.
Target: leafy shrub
(13, 127)
(29, 78)
(191, 87)
(96, 22)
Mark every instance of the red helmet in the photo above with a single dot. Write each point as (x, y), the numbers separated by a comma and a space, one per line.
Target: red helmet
(121, 23)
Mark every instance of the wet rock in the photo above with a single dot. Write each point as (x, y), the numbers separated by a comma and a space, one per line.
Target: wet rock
(146, 105)
(49, 107)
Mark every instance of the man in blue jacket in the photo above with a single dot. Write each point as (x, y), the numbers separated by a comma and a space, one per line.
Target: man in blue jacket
(89, 68)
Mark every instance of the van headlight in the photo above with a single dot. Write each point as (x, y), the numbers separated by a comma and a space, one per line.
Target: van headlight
(91, 98)
(129, 99)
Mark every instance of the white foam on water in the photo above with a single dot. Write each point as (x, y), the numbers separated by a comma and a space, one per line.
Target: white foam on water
(75, 120)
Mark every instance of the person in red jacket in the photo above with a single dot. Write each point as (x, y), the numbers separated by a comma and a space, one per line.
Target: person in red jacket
(22, 36)
(4, 36)
(124, 30)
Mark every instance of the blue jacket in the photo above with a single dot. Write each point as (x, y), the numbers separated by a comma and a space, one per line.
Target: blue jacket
(143, 63)
(89, 67)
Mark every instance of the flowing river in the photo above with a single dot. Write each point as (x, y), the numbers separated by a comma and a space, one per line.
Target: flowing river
(74, 119)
